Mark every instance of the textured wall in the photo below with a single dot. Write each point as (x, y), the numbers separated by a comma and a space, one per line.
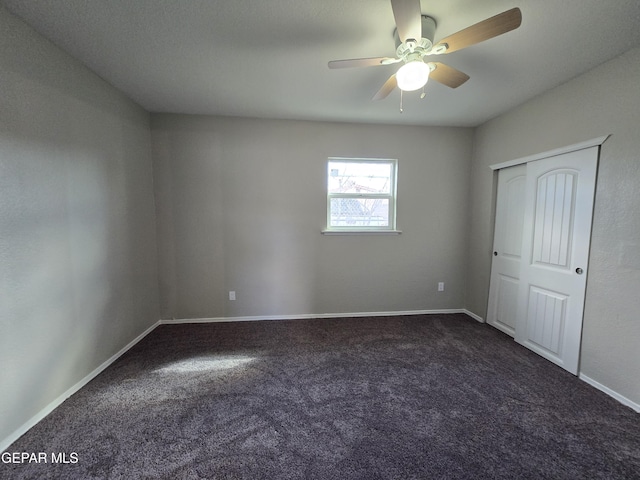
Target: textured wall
(78, 274)
(241, 204)
(603, 101)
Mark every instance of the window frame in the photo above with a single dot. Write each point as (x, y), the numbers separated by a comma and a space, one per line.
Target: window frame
(392, 197)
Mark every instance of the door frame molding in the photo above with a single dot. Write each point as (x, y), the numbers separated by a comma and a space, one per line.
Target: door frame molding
(552, 153)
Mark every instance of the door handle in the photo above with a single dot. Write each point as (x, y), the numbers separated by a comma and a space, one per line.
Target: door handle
(579, 271)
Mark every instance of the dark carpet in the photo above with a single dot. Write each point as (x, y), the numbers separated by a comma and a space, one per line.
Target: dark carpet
(418, 397)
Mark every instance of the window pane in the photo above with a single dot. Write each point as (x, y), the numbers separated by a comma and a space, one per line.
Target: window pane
(359, 177)
(359, 212)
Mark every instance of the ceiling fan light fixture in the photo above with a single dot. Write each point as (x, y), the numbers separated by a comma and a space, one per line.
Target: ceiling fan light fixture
(413, 75)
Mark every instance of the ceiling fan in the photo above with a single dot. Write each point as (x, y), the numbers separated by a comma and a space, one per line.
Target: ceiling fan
(414, 41)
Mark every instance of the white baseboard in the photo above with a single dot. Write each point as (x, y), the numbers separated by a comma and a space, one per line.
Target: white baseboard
(622, 399)
(473, 315)
(478, 318)
(173, 321)
(6, 442)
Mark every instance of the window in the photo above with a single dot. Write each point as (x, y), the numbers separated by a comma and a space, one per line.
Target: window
(361, 195)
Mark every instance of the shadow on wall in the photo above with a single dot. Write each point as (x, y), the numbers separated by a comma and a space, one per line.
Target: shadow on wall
(68, 274)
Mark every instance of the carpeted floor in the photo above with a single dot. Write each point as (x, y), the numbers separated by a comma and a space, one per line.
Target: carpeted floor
(419, 397)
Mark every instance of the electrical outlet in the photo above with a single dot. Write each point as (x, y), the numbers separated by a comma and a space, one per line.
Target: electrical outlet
(441, 286)
(232, 295)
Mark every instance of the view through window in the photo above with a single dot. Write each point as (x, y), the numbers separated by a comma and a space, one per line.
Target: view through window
(361, 194)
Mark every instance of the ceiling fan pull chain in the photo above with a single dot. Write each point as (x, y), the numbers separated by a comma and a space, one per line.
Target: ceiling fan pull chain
(401, 93)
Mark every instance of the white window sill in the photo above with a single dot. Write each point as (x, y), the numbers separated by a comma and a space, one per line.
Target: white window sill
(361, 232)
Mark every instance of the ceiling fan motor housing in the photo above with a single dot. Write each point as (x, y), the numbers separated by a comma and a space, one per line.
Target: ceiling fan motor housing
(422, 46)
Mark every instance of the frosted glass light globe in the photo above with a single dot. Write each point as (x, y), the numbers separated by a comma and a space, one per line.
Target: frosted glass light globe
(413, 75)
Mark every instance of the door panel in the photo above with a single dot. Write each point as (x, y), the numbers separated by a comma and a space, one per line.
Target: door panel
(554, 219)
(556, 236)
(507, 247)
(548, 308)
(507, 306)
(514, 215)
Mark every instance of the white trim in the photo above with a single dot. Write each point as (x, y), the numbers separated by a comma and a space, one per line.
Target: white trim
(6, 442)
(361, 232)
(473, 315)
(308, 316)
(551, 153)
(622, 399)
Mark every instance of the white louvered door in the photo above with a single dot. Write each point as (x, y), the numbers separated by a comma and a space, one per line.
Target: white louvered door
(555, 252)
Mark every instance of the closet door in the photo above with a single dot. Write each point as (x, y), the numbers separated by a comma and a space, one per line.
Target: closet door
(555, 252)
(507, 249)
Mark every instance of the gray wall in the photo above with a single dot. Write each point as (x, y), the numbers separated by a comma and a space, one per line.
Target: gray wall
(603, 101)
(78, 277)
(241, 204)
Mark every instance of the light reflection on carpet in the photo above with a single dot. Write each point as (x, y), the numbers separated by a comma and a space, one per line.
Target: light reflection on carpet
(204, 364)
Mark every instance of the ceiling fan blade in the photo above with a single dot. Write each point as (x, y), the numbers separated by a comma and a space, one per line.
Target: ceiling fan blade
(447, 75)
(491, 27)
(387, 88)
(363, 62)
(408, 16)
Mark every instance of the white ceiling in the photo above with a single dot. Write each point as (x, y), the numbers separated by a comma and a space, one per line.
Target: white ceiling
(269, 58)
